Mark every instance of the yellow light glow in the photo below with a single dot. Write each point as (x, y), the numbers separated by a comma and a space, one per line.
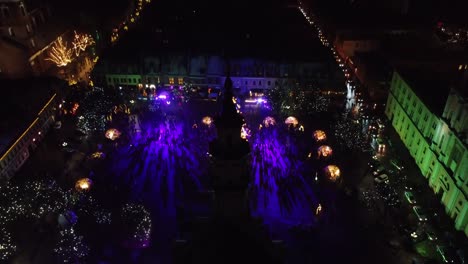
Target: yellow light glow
(81, 42)
(269, 121)
(318, 210)
(83, 185)
(112, 134)
(325, 151)
(207, 120)
(60, 53)
(333, 172)
(291, 121)
(320, 135)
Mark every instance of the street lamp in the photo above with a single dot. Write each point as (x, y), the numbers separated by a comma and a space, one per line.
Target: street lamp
(291, 121)
(333, 172)
(207, 120)
(83, 185)
(325, 151)
(112, 134)
(320, 135)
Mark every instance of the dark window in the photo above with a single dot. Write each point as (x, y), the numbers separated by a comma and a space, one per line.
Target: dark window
(6, 12)
(23, 10)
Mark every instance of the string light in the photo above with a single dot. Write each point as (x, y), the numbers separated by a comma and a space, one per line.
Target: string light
(70, 247)
(138, 219)
(350, 134)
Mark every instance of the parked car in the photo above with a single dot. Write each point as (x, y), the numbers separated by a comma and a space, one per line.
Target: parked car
(373, 163)
(431, 234)
(410, 197)
(382, 179)
(418, 235)
(58, 125)
(397, 164)
(419, 213)
(379, 170)
(447, 255)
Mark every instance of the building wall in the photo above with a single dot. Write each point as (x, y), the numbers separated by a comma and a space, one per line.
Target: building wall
(348, 48)
(123, 79)
(209, 71)
(15, 156)
(439, 153)
(456, 114)
(23, 37)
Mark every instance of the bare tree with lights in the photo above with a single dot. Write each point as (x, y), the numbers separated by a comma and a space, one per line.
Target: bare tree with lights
(93, 109)
(81, 42)
(349, 134)
(288, 98)
(60, 53)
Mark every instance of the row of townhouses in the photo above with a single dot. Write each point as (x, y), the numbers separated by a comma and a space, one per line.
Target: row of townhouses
(431, 117)
(210, 71)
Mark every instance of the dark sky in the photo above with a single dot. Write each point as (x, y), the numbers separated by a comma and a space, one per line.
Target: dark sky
(257, 28)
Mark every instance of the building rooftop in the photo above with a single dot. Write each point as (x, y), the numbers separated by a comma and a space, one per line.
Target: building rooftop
(430, 86)
(25, 98)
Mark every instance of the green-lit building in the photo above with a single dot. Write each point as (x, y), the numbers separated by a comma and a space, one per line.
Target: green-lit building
(431, 117)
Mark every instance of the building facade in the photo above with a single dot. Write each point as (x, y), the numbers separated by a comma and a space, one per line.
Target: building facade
(19, 137)
(437, 140)
(25, 35)
(210, 72)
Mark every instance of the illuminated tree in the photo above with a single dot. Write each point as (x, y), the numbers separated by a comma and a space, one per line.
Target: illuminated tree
(93, 109)
(138, 221)
(289, 98)
(60, 53)
(349, 134)
(81, 42)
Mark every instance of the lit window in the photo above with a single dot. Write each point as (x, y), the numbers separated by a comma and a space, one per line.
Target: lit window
(181, 81)
(171, 80)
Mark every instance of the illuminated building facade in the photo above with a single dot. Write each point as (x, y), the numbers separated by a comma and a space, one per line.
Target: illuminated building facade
(433, 127)
(25, 122)
(208, 72)
(24, 36)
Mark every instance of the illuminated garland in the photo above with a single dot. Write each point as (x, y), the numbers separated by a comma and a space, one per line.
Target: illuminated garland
(35, 200)
(70, 247)
(139, 221)
(95, 106)
(7, 248)
(350, 134)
